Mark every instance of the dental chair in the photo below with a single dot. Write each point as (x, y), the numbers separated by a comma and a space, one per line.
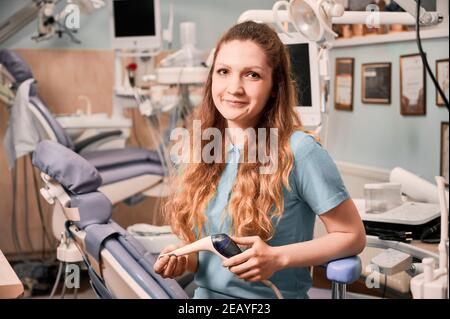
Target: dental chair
(127, 173)
(118, 266)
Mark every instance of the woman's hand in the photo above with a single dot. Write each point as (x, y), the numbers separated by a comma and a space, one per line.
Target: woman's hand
(170, 266)
(257, 263)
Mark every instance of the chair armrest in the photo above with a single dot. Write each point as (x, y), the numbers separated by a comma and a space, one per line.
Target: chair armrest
(90, 140)
(345, 270)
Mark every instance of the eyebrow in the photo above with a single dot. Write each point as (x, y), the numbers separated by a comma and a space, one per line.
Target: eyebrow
(245, 68)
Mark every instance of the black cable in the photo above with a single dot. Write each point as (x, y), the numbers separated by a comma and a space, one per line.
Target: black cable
(393, 238)
(425, 236)
(385, 285)
(424, 58)
(384, 231)
(387, 234)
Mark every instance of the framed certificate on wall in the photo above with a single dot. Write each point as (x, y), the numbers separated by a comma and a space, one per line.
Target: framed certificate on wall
(442, 78)
(412, 85)
(444, 151)
(376, 83)
(343, 84)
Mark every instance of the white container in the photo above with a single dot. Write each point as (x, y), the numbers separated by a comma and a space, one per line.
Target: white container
(381, 197)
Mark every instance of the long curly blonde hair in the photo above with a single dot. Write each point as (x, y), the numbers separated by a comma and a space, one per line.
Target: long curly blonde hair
(255, 198)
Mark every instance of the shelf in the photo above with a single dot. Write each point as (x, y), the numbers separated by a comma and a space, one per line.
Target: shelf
(391, 37)
(129, 92)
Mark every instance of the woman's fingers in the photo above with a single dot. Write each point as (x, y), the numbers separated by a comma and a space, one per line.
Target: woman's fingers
(249, 274)
(248, 240)
(181, 266)
(242, 268)
(168, 272)
(168, 249)
(171, 266)
(160, 264)
(238, 259)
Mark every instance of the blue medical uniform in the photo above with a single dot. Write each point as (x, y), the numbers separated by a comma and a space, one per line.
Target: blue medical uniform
(316, 187)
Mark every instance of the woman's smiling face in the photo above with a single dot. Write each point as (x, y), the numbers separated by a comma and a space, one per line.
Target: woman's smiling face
(241, 82)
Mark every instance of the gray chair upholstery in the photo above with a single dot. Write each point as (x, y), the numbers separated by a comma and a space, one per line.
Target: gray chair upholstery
(80, 178)
(114, 165)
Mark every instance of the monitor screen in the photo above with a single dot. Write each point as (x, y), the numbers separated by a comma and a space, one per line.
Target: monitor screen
(305, 72)
(135, 24)
(299, 54)
(134, 18)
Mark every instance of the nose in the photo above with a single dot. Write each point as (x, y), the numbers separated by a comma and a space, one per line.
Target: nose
(235, 86)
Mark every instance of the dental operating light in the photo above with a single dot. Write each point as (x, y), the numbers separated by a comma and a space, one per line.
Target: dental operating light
(323, 13)
(314, 19)
(311, 18)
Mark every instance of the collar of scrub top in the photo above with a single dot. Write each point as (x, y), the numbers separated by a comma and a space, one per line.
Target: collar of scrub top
(231, 146)
(234, 150)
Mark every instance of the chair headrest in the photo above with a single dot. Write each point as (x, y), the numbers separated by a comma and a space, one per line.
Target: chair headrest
(73, 172)
(16, 66)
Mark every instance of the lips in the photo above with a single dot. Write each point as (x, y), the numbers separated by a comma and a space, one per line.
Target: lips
(235, 103)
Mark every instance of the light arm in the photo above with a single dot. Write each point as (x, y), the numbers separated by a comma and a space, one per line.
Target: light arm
(426, 18)
(356, 17)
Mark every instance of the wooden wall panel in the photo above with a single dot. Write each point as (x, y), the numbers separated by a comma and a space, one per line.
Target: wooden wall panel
(63, 76)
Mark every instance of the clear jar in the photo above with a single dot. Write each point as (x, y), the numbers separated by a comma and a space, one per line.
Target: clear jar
(381, 197)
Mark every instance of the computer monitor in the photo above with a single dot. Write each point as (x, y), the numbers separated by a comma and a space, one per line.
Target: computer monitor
(135, 24)
(305, 72)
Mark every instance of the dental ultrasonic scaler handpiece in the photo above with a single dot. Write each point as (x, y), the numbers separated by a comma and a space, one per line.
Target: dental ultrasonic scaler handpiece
(221, 245)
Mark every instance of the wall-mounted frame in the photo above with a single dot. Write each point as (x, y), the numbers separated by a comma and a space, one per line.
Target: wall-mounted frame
(412, 85)
(343, 84)
(442, 78)
(444, 151)
(376, 83)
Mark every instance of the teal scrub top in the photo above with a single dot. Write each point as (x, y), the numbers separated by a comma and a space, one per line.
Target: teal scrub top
(316, 187)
